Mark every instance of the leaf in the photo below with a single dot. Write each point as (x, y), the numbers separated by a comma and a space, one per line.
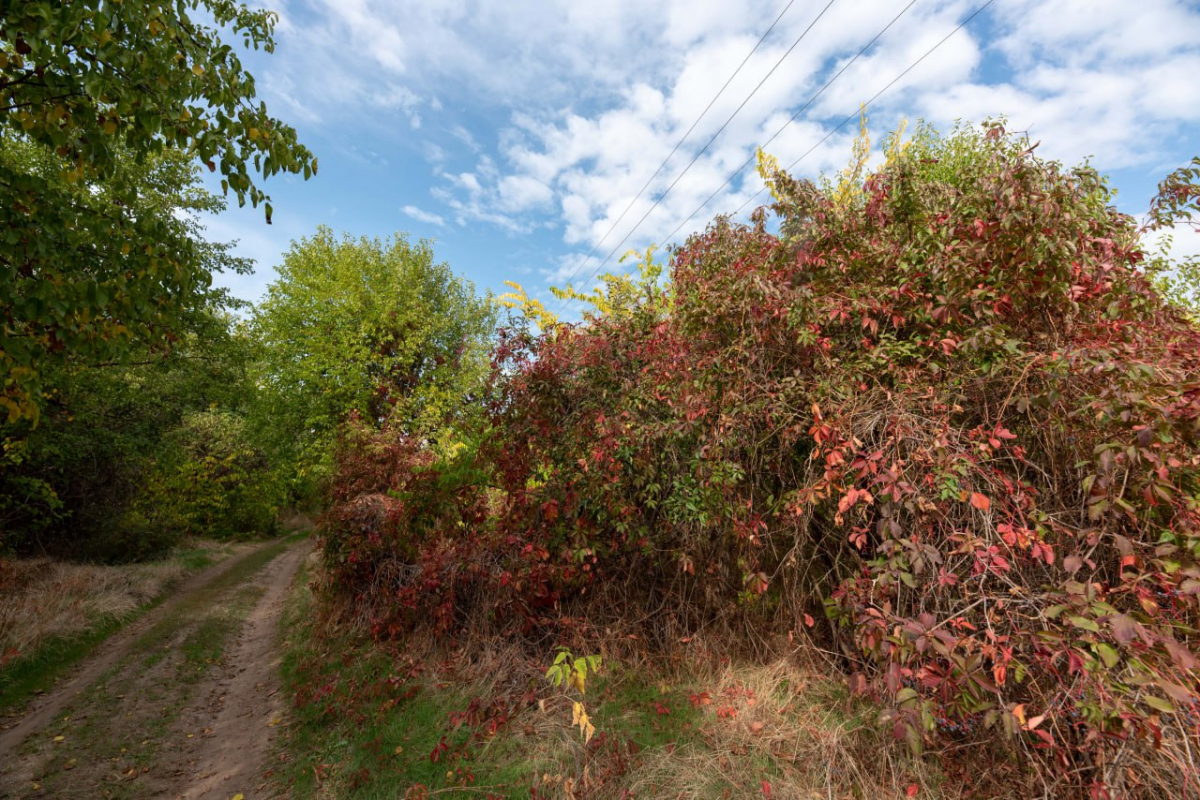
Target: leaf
(1177, 692)
(1108, 654)
(1159, 704)
(980, 501)
(1123, 628)
(1083, 622)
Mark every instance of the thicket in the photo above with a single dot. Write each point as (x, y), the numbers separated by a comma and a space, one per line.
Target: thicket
(113, 338)
(942, 423)
(126, 459)
(370, 327)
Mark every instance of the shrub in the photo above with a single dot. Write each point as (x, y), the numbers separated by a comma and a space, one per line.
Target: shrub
(211, 481)
(942, 419)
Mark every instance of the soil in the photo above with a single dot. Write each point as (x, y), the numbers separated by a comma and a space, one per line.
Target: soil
(182, 703)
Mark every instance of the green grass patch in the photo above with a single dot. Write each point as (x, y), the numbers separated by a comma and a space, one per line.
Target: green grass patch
(39, 670)
(195, 559)
(649, 714)
(362, 730)
(364, 727)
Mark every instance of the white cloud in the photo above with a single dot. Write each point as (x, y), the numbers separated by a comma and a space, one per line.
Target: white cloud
(464, 136)
(424, 216)
(523, 192)
(593, 162)
(572, 106)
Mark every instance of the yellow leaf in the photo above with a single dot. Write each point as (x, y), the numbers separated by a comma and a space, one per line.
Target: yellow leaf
(199, 70)
(59, 738)
(238, 796)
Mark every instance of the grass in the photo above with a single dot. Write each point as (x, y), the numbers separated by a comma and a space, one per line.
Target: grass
(55, 614)
(150, 687)
(37, 672)
(370, 723)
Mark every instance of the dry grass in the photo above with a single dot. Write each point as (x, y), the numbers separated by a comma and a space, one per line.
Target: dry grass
(42, 598)
(788, 726)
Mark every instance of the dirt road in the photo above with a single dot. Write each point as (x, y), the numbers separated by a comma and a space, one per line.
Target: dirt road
(184, 703)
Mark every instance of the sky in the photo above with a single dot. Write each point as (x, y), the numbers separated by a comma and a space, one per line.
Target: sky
(515, 134)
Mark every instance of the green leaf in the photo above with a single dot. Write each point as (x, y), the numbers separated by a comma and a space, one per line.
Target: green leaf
(1108, 654)
(1159, 704)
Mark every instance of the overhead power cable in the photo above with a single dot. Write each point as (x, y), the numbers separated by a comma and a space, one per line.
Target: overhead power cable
(840, 125)
(793, 118)
(746, 163)
(675, 149)
(707, 144)
(874, 97)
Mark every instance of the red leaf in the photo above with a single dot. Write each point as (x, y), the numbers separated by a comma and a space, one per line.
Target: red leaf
(766, 789)
(980, 501)
(912, 790)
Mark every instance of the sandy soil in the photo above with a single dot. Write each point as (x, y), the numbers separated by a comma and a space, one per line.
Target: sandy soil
(247, 706)
(183, 703)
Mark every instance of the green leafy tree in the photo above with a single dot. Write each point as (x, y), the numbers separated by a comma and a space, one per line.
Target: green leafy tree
(211, 479)
(114, 469)
(96, 96)
(1176, 208)
(372, 328)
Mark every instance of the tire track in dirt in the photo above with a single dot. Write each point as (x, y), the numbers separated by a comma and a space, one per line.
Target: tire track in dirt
(232, 758)
(50, 705)
(213, 718)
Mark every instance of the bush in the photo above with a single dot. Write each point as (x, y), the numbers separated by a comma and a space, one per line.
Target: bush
(943, 420)
(212, 481)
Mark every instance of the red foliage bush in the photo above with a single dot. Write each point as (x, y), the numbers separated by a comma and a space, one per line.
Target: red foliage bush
(948, 410)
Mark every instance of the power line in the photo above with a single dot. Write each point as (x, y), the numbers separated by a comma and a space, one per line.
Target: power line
(793, 118)
(678, 144)
(844, 122)
(708, 143)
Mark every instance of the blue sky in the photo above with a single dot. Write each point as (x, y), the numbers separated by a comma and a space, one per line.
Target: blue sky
(514, 133)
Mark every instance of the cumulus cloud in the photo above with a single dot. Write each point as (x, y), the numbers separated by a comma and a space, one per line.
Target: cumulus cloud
(555, 112)
(421, 215)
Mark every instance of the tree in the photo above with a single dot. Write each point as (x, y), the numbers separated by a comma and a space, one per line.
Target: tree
(96, 97)
(1176, 208)
(122, 461)
(373, 328)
